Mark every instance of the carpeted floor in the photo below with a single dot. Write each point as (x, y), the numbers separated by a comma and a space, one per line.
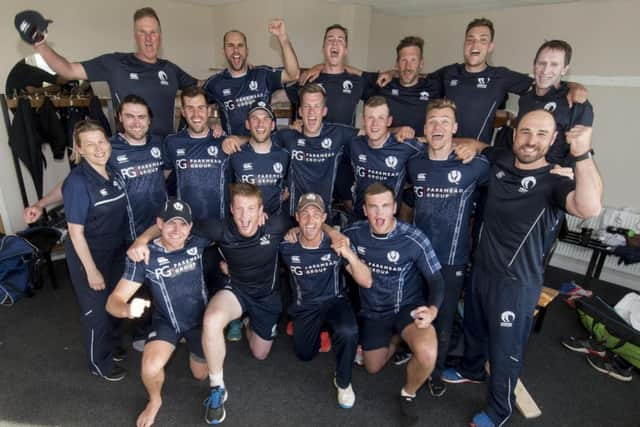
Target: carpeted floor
(44, 381)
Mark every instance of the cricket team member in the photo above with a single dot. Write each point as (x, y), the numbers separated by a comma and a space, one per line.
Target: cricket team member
(174, 274)
(379, 156)
(400, 257)
(443, 187)
(142, 73)
(319, 293)
(237, 87)
(525, 203)
(261, 162)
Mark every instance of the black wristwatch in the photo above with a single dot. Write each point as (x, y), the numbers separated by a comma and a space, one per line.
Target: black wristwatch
(589, 154)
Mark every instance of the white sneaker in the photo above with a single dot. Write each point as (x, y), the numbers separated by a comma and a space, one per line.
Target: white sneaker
(346, 396)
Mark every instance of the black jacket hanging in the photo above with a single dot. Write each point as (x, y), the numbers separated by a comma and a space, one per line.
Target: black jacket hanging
(26, 142)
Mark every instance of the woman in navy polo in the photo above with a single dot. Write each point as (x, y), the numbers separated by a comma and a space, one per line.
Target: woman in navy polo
(96, 208)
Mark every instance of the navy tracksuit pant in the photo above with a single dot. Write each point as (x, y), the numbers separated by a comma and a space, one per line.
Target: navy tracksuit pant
(338, 317)
(498, 315)
(101, 331)
(454, 280)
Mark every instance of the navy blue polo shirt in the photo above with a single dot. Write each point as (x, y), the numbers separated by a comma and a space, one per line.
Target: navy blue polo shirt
(234, 95)
(314, 160)
(523, 208)
(266, 170)
(398, 260)
(142, 169)
(408, 104)
(443, 191)
(344, 91)
(202, 173)
(157, 83)
(555, 102)
(386, 164)
(315, 273)
(176, 282)
(252, 261)
(478, 96)
(99, 204)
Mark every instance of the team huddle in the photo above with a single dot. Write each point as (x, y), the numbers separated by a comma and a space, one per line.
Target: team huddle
(378, 231)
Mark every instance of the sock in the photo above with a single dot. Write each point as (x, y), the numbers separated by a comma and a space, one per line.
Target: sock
(405, 394)
(216, 379)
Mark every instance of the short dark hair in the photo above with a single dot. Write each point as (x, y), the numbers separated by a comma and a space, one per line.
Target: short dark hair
(131, 99)
(337, 27)
(410, 41)
(556, 45)
(192, 92)
(377, 101)
(440, 103)
(146, 12)
(312, 88)
(481, 22)
(224, 38)
(245, 190)
(377, 188)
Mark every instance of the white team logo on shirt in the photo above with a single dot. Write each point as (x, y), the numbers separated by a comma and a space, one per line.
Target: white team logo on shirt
(180, 152)
(253, 85)
(155, 153)
(393, 256)
(421, 177)
(550, 106)
(277, 167)
(395, 92)
(295, 258)
(527, 183)
(103, 192)
(192, 251)
(347, 86)
(264, 240)
(162, 260)
(326, 257)
(164, 79)
(133, 76)
(453, 82)
(391, 161)
(507, 318)
(362, 158)
(226, 92)
(301, 142)
(326, 143)
(213, 151)
(247, 166)
(361, 250)
(122, 158)
(424, 96)
(500, 175)
(483, 82)
(454, 176)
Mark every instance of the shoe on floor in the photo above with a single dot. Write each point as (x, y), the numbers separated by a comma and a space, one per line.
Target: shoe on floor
(612, 365)
(481, 419)
(586, 345)
(452, 376)
(409, 408)
(118, 354)
(117, 373)
(437, 387)
(325, 342)
(234, 330)
(402, 356)
(346, 396)
(214, 404)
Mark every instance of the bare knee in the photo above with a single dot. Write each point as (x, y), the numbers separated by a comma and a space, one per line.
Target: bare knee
(260, 354)
(372, 368)
(152, 366)
(199, 370)
(425, 353)
(214, 320)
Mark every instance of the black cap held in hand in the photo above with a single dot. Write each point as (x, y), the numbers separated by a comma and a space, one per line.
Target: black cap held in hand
(31, 26)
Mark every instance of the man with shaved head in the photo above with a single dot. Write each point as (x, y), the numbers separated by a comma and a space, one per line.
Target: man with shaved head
(525, 203)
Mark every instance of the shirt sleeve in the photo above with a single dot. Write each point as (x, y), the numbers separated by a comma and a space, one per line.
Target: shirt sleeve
(76, 200)
(273, 78)
(169, 158)
(581, 114)
(134, 271)
(369, 86)
(561, 189)
(279, 224)
(429, 267)
(99, 69)
(210, 229)
(517, 83)
(184, 79)
(483, 170)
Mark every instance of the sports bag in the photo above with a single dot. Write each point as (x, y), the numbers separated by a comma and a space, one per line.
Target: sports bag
(16, 257)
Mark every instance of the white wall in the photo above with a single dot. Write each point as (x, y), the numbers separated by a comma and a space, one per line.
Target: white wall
(82, 30)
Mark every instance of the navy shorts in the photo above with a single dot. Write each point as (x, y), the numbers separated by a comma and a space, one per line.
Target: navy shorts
(263, 312)
(376, 333)
(162, 330)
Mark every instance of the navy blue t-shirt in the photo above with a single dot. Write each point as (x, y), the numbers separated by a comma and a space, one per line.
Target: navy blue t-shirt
(157, 83)
(555, 102)
(142, 169)
(386, 164)
(252, 261)
(398, 261)
(408, 105)
(443, 191)
(202, 173)
(314, 160)
(176, 282)
(234, 95)
(522, 209)
(266, 170)
(99, 204)
(315, 274)
(344, 91)
(478, 96)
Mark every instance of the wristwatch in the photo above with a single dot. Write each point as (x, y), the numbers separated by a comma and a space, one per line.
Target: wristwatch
(589, 154)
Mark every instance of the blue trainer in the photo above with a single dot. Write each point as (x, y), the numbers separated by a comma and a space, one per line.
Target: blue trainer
(481, 419)
(214, 404)
(234, 330)
(452, 376)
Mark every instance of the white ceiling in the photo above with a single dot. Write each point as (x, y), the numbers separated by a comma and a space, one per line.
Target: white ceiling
(423, 7)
